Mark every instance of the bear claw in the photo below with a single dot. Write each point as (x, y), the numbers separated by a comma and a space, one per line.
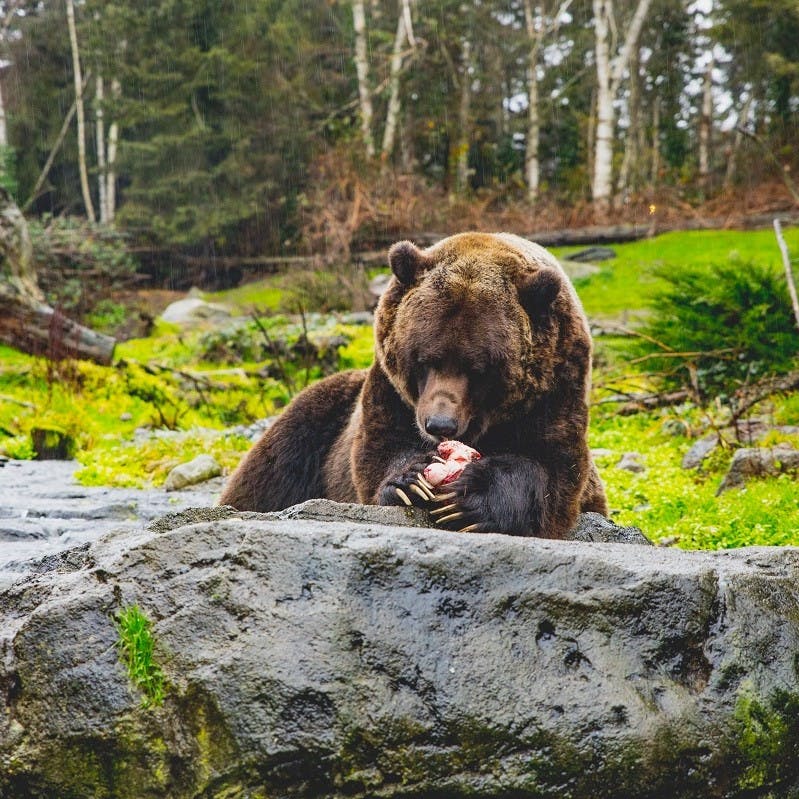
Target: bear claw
(419, 490)
(403, 496)
(420, 479)
(451, 517)
(446, 508)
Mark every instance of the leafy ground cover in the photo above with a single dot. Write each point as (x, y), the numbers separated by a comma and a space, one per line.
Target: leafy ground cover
(203, 383)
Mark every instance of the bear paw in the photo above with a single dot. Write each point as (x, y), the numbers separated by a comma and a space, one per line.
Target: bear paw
(465, 505)
(500, 494)
(409, 487)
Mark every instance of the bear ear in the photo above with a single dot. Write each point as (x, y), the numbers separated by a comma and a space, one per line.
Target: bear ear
(406, 261)
(537, 291)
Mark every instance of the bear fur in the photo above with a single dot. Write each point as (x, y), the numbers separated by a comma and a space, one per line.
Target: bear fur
(479, 338)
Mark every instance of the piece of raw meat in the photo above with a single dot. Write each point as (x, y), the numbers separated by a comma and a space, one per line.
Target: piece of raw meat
(455, 456)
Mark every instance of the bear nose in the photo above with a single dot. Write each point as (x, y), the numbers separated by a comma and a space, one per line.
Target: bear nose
(442, 426)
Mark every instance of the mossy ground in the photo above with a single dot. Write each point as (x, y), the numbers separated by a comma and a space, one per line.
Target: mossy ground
(103, 406)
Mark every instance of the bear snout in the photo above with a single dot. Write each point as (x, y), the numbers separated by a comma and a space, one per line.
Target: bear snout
(443, 410)
(442, 426)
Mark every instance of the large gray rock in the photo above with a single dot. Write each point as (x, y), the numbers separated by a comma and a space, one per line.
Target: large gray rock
(328, 659)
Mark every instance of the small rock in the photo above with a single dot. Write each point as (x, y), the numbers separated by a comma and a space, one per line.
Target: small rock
(676, 427)
(593, 254)
(595, 527)
(631, 462)
(577, 270)
(202, 468)
(759, 462)
(252, 431)
(193, 310)
(357, 318)
(699, 451)
(125, 417)
(602, 453)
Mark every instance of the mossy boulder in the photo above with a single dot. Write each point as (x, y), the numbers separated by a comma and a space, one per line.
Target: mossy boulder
(333, 657)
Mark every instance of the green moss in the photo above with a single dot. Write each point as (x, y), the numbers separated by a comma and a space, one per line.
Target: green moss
(147, 463)
(765, 734)
(136, 645)
(360, 351)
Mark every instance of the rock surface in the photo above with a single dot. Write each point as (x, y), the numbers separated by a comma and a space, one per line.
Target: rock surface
(310, 658)
(193, 311)
(197, 470)
(43, 510)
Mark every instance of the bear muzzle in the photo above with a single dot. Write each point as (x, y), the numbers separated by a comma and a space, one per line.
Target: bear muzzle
(443, 409)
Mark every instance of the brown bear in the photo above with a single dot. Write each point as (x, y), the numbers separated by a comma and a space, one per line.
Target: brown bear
(480, 338)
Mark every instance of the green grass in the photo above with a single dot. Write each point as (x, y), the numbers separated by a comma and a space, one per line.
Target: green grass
(260, 295)
(625, 283)
(681, 506)
(136, 644)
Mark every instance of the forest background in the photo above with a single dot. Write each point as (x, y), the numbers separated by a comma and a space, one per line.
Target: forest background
(268, 151)
(318, 126)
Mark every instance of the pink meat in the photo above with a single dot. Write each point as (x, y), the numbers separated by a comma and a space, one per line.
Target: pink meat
(456, 455)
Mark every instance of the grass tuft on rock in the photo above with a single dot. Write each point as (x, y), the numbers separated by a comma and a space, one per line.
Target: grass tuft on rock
(136, 644)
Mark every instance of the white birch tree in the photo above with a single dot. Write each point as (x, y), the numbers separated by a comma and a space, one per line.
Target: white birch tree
(84, 175)
(706, 125)
(111, 158)
(611, 64)
(99, 135)
(539, 23)
(464, 118)
(404, 34)
(362, 71)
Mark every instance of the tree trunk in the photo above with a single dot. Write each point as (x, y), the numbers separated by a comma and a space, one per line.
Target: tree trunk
(26, 321)
(743, 118)
(531, 162)
(609, 76)
(627, 182)
(362, 71)
(111, 177)
(653, 178)
(706, 126)
(605, 117)
(464, 120)
(84, 177)
(393, 111)
(3, 128)
(99, 123)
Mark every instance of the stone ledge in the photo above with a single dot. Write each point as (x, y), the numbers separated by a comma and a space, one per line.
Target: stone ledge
(331, 659)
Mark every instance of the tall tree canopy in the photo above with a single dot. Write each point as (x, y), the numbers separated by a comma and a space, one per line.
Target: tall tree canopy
(204, 118)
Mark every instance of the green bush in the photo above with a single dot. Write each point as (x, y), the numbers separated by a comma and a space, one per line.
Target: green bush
(713, 329)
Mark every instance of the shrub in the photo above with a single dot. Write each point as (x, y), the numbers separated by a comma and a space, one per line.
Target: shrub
(715, 329)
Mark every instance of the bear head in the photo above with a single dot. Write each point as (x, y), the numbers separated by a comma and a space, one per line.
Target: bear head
(468, 330)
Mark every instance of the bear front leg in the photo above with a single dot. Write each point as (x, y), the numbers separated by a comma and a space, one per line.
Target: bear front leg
(406, 484)
(510, 494)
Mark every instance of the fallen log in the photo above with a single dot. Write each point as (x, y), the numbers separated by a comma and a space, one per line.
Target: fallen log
(27, 322)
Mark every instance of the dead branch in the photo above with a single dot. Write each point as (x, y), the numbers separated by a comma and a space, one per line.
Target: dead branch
(749, 396)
